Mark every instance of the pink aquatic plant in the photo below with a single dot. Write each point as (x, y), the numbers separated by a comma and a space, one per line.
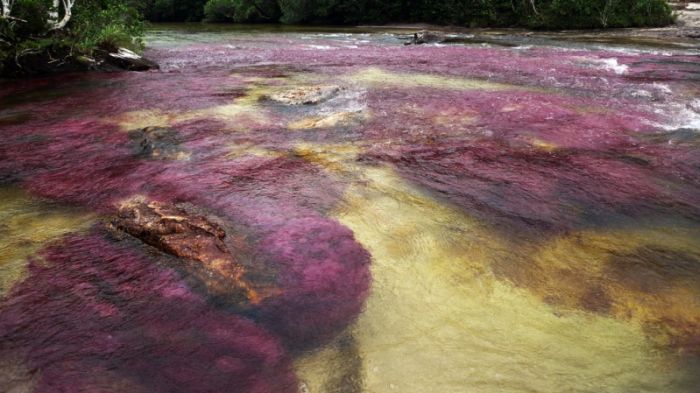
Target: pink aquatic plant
(324, 277)
(91, 305)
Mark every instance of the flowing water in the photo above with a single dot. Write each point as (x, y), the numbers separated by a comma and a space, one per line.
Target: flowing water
(501, 214)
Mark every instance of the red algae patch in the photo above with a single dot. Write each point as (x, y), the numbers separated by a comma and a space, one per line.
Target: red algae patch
(95, 305)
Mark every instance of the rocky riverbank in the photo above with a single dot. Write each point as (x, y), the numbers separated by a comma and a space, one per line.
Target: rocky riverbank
(31, 63)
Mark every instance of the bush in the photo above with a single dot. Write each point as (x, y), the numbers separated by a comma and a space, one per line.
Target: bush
(107, 26)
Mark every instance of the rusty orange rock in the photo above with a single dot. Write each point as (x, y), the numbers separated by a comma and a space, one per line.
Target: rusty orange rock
(198, 241)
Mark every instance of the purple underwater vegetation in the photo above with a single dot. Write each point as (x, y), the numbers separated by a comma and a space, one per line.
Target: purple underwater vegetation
(91, 305)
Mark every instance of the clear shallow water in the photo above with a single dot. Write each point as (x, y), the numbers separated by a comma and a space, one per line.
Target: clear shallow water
(442, 218)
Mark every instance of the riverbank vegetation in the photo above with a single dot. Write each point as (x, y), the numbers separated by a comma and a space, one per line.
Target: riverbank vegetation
(552, 14)
(39, 36)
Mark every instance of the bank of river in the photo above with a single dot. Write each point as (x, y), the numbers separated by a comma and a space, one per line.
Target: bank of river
(287, 209)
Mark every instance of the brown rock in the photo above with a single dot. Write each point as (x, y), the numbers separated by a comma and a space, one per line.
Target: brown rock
(195, 239)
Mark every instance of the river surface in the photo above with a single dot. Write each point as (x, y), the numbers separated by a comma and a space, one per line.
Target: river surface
(507, 213)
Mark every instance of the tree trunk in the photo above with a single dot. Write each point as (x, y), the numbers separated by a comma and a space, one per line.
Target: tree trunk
(6, 8)
(67, 13)
(53, 13)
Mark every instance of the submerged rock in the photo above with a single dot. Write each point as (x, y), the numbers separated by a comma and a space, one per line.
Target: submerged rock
(305, 95)
(159, 143)
(194, 238)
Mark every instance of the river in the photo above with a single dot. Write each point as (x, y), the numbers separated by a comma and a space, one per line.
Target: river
(284, 209)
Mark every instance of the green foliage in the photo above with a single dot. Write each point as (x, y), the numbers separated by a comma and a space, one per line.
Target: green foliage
(107, 25)
(474, 13)
(103, 24)
(34, 14)
(219, 10)
(579, 14)
(242, 11)
(173, 10)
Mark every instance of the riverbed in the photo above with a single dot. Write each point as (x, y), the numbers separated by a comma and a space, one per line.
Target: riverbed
(284, 209)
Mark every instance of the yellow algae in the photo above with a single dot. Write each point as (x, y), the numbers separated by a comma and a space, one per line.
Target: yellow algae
(455, 118)
(27, 225)
(335, 158)
(243, 110)
(543, 145)
(439, 321)
(377, 77)
(511, 108)
(144, 118)
(340, 119)
(335, 367)
(240, 113)
(649, 275)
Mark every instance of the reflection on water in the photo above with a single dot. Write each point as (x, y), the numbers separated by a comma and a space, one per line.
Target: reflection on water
(327, 210)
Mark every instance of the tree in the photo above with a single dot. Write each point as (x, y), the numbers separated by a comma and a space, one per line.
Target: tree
(6, 7)
(54, 22)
